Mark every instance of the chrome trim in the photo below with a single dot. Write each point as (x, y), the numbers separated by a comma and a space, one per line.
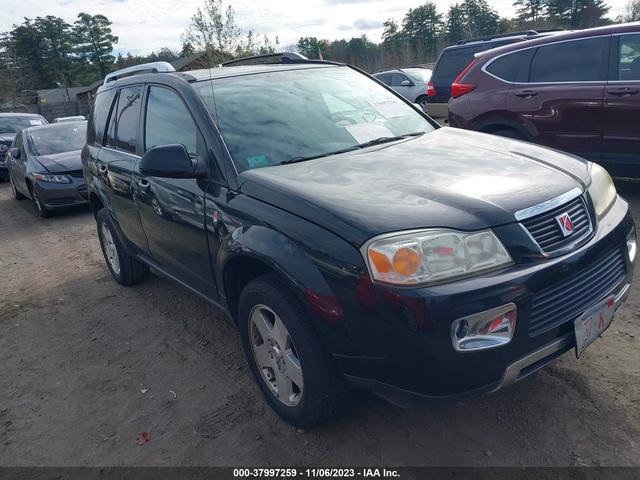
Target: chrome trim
(123, 152)
(622, 296)
(512, 373)
(480, 317)
(543, 207)
(152, 67)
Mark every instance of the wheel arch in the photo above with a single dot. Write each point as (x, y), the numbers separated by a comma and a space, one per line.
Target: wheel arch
(496, 124)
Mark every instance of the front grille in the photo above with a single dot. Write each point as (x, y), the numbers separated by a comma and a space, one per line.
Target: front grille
(566, 300)
(76, 173)
(546, 231)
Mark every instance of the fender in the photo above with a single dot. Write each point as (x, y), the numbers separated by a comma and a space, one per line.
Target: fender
(526, 129)
(285, 256)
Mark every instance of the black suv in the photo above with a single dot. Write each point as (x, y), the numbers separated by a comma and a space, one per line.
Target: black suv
(351, 240)
(452, 60)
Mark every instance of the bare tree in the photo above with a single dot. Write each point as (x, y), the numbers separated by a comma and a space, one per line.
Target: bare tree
(632, 11)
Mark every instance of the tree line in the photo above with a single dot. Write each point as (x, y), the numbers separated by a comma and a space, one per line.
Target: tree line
(48, 52)
(425, 30)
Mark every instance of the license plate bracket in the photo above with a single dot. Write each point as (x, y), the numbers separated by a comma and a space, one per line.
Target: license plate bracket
(593, 322)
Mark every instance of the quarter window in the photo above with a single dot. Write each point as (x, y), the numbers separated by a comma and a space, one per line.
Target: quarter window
(384, 78)
(128, 116)
(629, 59)
(397, 79)
(169, 122)
(574, 61)
(513, 67)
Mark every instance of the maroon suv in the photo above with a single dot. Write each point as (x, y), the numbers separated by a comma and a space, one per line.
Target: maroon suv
(576, 91)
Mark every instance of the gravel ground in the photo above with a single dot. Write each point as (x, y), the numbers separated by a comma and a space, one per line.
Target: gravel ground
(87, 366)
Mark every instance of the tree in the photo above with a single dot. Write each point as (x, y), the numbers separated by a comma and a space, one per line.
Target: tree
(94, 41)
(187, 49)
(455, 25)
(423, 24)
(577, 14)
(481, 19)
(632, 11)
(530, 10)
(214, 31)
(311, 47)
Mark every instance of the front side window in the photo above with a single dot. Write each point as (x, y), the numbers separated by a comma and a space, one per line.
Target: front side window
(128, 116)
(397, 79)
(573, 61)
(168, 121)
(287, 115)
(629, 58)
(58, 139)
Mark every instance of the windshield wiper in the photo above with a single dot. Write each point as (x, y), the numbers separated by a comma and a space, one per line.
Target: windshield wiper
(370, 143)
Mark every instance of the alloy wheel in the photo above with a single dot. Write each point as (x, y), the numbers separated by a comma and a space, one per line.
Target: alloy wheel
(276, 355)
(110, 250)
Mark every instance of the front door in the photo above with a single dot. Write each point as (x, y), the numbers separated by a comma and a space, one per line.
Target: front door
(561, 103)
(621, 138)
(172, 209)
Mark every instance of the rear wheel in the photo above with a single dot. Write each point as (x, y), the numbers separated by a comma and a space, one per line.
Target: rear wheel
(297, 377)
(125, 269)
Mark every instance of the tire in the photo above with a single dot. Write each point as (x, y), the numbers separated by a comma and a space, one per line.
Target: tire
(323, 393)
(509, 133)
(125, 269)
(16, 194)
(422, 101)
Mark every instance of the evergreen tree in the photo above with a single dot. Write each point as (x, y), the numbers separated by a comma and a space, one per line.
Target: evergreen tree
(94, 41)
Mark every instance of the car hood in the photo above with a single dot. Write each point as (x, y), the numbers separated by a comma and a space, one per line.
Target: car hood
(447, 178)
(61, 162)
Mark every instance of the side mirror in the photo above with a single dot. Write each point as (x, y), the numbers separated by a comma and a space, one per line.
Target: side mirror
(171, 161)
(406, 83)
(15, 153)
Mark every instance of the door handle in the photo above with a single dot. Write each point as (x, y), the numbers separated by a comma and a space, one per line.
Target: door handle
(526, 93)
(144, 184)
(623, 91)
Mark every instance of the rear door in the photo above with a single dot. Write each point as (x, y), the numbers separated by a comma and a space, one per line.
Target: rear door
(172, 209)
(402, 84)
(621, 136)
(18, 165)
(561, 105)
(117, 161)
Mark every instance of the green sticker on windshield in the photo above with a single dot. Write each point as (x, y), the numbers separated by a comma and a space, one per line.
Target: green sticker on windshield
(257, 161)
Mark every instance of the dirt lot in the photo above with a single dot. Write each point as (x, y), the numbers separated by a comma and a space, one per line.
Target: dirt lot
(87, 365)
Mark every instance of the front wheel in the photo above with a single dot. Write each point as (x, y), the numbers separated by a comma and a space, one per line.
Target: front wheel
(125, 269)
(41, 210)
(297, 377)
(16, 194)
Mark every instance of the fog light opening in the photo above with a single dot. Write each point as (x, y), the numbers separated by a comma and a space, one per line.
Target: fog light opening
(484, 330)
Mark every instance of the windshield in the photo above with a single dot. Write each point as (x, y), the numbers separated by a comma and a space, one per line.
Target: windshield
(57, 139)
(418, 74)
(15, 124)
(270, 118)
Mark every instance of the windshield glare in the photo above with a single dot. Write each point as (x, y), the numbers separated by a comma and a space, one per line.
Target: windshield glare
(15, 124)
(418, 74)
(272, 117)
(58, 139)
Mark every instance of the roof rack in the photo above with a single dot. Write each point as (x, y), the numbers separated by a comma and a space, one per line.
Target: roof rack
(268, 58)
(153, 67)
(527, 33)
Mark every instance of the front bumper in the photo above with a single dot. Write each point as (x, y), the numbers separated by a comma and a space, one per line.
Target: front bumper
(400, 345)
(62, 195)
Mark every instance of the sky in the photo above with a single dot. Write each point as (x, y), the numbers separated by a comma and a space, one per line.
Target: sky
(147, 25)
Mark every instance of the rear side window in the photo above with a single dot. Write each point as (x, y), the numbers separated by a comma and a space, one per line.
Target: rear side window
(513, 67)
(169, 122)
(452, 62)
(576, 61)
(128, 117)
(629, 58)
(99, 115)
(384, 78)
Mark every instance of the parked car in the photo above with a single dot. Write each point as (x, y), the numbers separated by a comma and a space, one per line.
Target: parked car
(75, 118)
(578, 92)
(410, 82)
(10, 124)
(452, 60)
(351, 240)
(44, 165)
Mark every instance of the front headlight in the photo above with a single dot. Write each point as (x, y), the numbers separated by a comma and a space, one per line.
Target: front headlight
(41, 177)
(433, 256)
(602, 190)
